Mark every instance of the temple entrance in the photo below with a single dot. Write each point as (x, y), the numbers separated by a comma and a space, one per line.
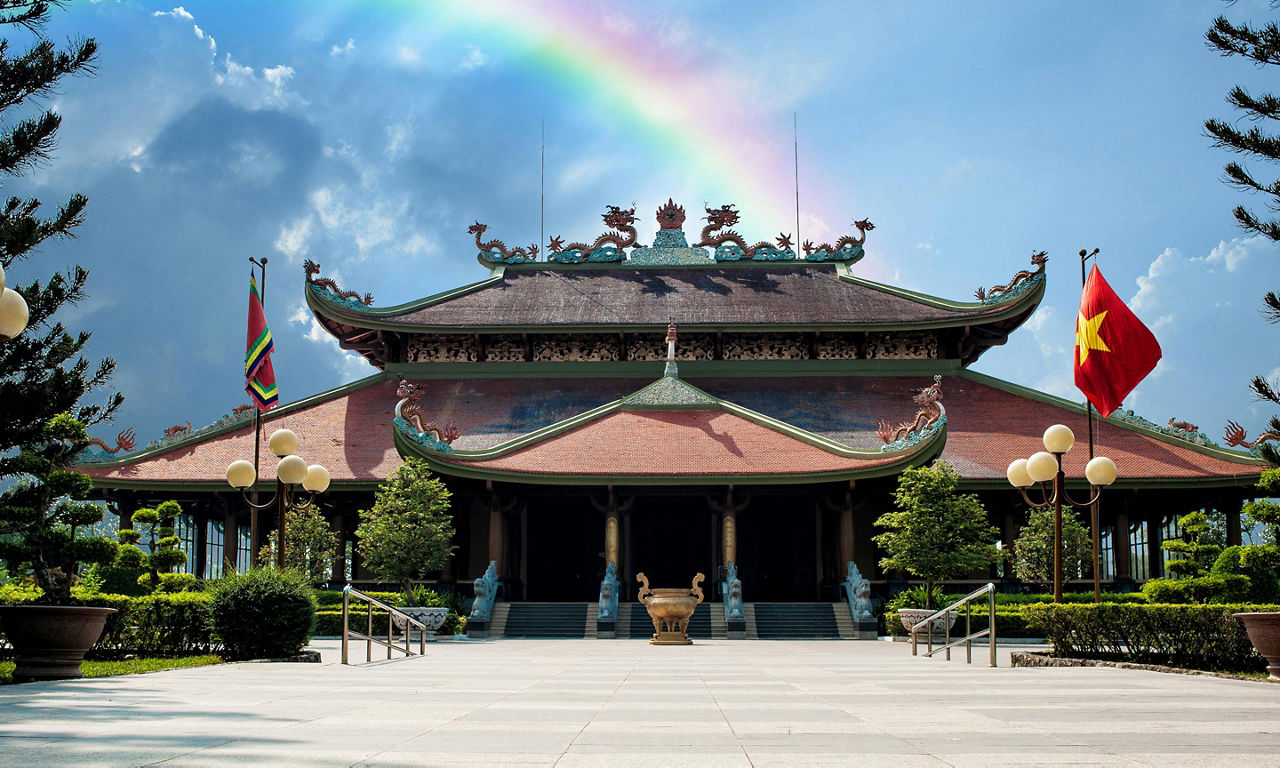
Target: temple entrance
(565, 550)
(671, 541)
(778, 550)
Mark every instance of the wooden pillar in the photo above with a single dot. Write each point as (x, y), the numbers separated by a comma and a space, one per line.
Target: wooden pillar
(496, 528)
(230, 535)
(524, 551)
(846, 528)
(1120, 542)
(611, 525)
(1232, 511)
(625, 569)
(1010, 533)
(729, 530)
(201, 522)
(817, 550)
(338, 524)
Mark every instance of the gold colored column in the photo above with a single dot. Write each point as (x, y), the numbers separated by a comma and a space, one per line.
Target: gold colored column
(729, 529)
(611, 537)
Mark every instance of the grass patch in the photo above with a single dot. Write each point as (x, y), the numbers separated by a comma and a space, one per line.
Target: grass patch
(126, 667)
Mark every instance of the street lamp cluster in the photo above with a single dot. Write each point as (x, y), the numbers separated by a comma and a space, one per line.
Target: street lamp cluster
(292, 473)
(1044, 469)
(13, 311)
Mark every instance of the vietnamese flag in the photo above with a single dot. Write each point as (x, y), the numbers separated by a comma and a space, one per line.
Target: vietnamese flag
(1114, 350)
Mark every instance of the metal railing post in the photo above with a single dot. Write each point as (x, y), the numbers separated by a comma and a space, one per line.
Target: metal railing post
(965, 602)
(991, 625)
(346, 607)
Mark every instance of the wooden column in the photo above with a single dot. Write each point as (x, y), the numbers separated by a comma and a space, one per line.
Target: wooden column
(729, 530)
(1010, 532)
(846, 529)
(1232, 511)
(496, 529)
(201, 522)
(1120, 542)
(230, 535)
(338, 524)
(612, 523)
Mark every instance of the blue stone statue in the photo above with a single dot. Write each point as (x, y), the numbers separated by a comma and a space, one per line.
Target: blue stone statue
(486, 591)
(858, 592)
(608, 609)
(732, 587)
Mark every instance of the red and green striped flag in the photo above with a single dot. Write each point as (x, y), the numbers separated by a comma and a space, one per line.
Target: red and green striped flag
(260, 377)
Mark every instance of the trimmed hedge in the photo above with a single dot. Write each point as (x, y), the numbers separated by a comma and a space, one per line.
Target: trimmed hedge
(263, 613)
(328, 599)
(1009, 624)
(329, 623)
(1190, 636)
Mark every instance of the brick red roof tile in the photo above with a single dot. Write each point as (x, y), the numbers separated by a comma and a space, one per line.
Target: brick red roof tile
(351, 432)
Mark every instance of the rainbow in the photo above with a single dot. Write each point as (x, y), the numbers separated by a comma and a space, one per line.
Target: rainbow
(688, 116)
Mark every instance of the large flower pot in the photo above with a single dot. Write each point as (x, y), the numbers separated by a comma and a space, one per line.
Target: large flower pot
(1264, 633)
(912, 616)
(432, 616)
(49, 641)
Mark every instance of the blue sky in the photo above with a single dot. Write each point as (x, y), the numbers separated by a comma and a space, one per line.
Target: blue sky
(368, 136)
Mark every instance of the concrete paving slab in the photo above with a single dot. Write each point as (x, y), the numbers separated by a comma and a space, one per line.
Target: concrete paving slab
(624, 702)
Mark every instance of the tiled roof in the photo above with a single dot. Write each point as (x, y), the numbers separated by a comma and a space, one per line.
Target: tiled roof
(672, 443)
(988, 426)
(765, 295)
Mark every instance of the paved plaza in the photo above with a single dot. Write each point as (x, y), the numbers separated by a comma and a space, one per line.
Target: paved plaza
(624, 702)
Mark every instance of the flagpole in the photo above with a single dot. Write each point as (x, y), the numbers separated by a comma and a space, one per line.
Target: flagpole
(255, 539)
(1093, 508)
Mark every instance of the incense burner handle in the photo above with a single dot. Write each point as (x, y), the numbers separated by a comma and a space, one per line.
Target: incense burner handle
(644, 592)
(696, 589)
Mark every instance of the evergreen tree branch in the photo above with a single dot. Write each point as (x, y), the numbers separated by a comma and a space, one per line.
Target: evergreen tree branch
(1261, 45)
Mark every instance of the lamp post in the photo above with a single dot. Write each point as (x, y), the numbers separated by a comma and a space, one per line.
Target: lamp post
(292, 472)
(1045, 470)
(13, 311)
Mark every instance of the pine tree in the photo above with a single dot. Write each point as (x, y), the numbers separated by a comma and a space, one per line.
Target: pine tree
(1260, 45)
(43, 377)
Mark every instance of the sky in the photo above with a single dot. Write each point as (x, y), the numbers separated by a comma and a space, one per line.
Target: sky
(368, 136)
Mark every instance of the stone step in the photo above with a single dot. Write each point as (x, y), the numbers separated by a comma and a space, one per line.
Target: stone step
(546, 620)
(779, 621)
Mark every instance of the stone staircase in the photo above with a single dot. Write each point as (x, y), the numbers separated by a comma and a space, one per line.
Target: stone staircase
(545, 620)
(793, 621)
(498, 619)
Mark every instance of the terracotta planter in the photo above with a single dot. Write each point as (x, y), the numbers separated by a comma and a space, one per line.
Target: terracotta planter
(49, 641)
(1264, 633)
(912, 616)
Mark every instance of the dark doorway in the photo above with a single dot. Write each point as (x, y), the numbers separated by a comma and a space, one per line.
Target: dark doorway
(777, 550)
(671, 542)
(565, 550)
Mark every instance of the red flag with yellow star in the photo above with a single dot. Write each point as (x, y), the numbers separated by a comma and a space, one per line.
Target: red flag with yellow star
(1114, 350)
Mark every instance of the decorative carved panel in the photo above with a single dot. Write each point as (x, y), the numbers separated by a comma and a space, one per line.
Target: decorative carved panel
(428, 348)
(576, 348)
(691, 346)
(504, 349)
(838, 346)
(902, 346)
(765, 346)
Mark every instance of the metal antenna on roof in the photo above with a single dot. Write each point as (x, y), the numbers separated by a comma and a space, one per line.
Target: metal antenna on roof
(542, 207)
(795, 136)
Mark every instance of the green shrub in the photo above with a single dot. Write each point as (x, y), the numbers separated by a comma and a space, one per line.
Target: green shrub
(919, 597)
(1069, 597)
(329, 623)
(120, 579)
(331, 598)
(1255, 562)
(263, 613)
(1188, 636)
(1009, 623)
(1231, 588)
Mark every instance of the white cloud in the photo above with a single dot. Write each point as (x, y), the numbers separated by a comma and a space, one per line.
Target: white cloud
(408, 57)
(369, 226)
(347, 364)
(1147, 296)
(583, 173)
(254, 92)
(177, 13)
(292, 240)
(399, 138)
(927, 246)
(198, 30)
(344, 50)
(1231, 255)
(474, 59)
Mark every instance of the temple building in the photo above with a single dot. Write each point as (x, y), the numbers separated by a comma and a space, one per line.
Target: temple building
(673, 408)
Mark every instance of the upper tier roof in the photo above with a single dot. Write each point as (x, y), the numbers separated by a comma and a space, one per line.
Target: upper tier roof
(989, 423)
(801, 295)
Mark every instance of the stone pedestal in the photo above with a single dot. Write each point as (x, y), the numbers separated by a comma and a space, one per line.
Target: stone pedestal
(737, 630)
(606, 630)
(865, 628)
(477, 628)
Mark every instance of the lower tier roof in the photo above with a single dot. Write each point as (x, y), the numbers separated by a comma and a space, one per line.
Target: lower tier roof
(989, 423)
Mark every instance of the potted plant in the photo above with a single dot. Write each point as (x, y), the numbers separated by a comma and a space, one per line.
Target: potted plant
(406, 534)
(934, 534)
(39, 515)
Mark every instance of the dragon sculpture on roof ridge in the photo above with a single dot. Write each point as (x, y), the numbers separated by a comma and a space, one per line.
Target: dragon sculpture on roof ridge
(411, 413)
(607, 247)
(312, 269)
(1023, 278)
(931, 415)
(729, 245)
(125, 441)
(496, 251)
(1235, 436)
(847, 248)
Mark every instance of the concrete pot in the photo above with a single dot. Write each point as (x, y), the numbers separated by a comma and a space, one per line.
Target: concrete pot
(1264, 633)
(50, 641)
(913, 616)
(433, 616)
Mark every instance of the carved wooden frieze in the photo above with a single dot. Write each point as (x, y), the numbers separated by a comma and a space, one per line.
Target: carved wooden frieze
(837, 346)
(765, 346)
(653, 348)
(566, 348)
(504, 349)
(902, 346)
(429, 348)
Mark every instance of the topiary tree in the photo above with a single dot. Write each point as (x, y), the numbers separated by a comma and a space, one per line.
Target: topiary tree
(1033, 549)
(935, 533)
(163, 545)
(263, 613)
(310, 544)
(406, 534)
(1197, 555)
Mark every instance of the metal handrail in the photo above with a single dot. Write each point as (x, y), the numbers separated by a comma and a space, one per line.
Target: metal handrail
(990, 632)
(372, 602)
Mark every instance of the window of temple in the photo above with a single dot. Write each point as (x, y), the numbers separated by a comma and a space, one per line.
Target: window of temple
(1169, 531)
(1139, 548)
(244, 549)
(1107, 553)
(213, 550)
(185, 528)
(348, 557)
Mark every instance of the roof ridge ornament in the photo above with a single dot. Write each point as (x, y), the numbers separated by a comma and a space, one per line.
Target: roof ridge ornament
(1020, 282)
(325, 283)
(413, 420)
(847, 248)
(607, 247)
(671, 369)
(729, 245)
(928, 420)
(496, 252)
